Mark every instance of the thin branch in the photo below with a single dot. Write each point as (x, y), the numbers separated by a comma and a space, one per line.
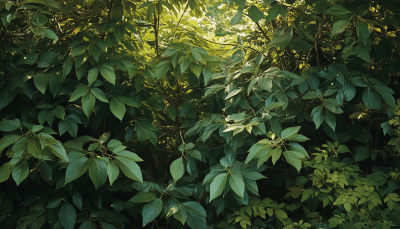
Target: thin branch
(265, 35)
(180, 19)
(230, 45)
(156, 32)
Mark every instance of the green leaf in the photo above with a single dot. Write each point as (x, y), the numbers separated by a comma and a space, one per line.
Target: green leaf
(77, 199)
(99, 94)
(237, 17)
(371, 99)
(177, 169)
(343, 149)
(112, 171)
(6, 141)
(9, 125)
(185, 64)
(181, 215)
(339, 27)
(255, 14)
(237, 184)
(20, 172)
(217, 186)
(288, 132)
(54, 202)
(143, 197)
(128, 155)
(233, 93)
(79, 92)
(298, 138)
(297, 147)
(97, 172)
(108, 74)
(362, 32)
(275, 155)
(76, 168)
(67, 215)
(387, 94)
(117, 108)
(80, 50)
(273, 12)
(57, 148)
(337, 10)
(151, 210)
(130, 168)
(347, 206)
(94, 50)
(330, 119)
(92, 75)
(162, 68)
(282, 37)
(88, 103)
(209, 130)
(67, 66)
(49, 34)
(196, 221)
(361, 154)
(311, 95)
(281, 214)
(106, 226)
(195, 208)
(293, 158)
(318, 116)
(119, 33)
(5, 171)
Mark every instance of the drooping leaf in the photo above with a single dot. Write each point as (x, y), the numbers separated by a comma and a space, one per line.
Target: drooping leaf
(130, 169)
(237, 184)
(151, 210)
(67, 215)
(217, 186)
(97, 172)
(255, 14)
(177, 169)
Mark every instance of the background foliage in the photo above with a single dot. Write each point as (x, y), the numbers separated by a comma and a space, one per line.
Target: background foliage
(121, 113)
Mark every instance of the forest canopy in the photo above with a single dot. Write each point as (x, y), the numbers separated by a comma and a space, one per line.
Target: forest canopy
(199, 114)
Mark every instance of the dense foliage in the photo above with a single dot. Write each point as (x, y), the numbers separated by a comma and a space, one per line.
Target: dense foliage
(123, 114)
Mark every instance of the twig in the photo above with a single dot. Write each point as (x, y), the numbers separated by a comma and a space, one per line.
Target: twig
(186, 7)
(265, 35)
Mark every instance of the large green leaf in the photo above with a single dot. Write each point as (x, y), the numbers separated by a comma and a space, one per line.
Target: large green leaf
(177, 169)
(294, 158)
(88, 102)
(112, 171)
(97, 172)
(255, 14)
(288, 132)
(130, 168)
(143, 197)
(362, 32)
(76, 168)
(67, 215)
(282, 37)
(217, 186)
(20, 172)
(237, 184)
(108, 74)
(117, 108)
(339, 27)
(151, 210)
(9, 125)
(162, 68)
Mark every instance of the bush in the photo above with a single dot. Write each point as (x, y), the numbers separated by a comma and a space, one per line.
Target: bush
(119, 114)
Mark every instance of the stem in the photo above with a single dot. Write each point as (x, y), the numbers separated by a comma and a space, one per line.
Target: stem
(186, 7)
(156, 32)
